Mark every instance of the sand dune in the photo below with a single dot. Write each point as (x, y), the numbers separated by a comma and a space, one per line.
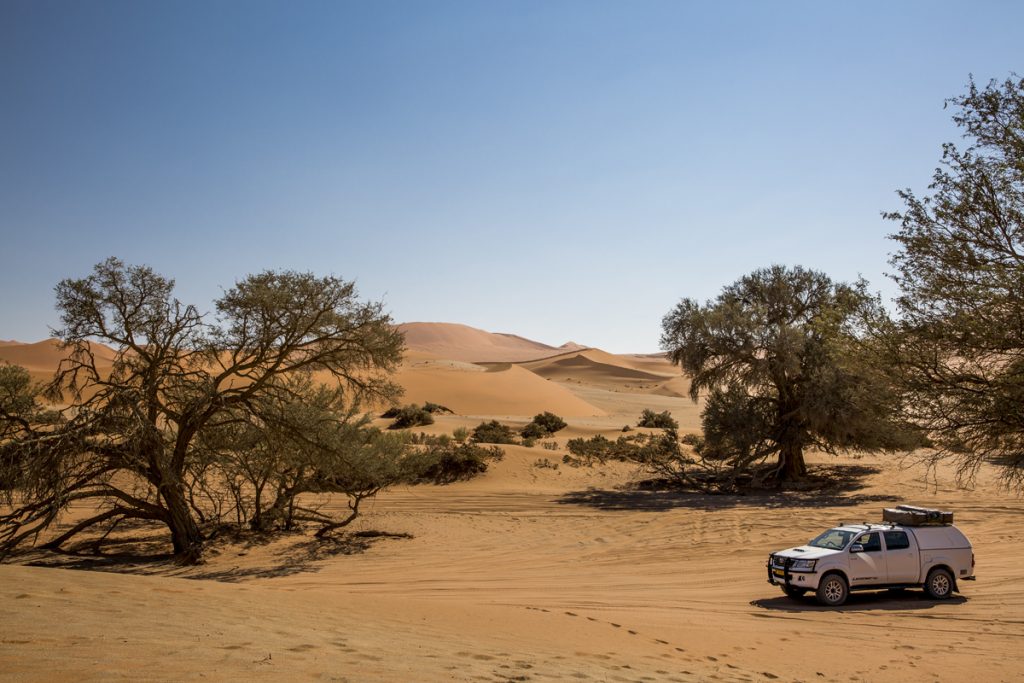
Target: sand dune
(472, 390)
(581, 366)
(461, 342)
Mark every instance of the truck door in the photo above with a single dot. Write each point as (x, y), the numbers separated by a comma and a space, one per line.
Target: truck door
(867, 566)
(901, 557)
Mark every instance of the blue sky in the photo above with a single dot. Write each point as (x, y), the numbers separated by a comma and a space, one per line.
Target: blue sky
(560, 170)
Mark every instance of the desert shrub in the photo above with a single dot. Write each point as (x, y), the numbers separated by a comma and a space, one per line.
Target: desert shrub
(654, 420)
(493, 432)
(545, 464)
(460, 434)
(444, 464)
(528, 442)
(550, 445)
(424, 439)
(549, 422)
(533, 431)
(437, 409)
(412, 416)
(391, 412)
(633, 448)
(695, 441)
(626, 428)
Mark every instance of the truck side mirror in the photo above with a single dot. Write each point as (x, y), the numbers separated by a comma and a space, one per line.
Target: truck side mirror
(856, 548)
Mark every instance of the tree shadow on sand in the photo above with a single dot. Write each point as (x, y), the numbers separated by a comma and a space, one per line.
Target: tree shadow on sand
(149, 554)
(827, 486)
(870, 601)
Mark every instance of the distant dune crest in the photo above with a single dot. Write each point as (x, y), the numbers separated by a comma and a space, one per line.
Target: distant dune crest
(464, 343)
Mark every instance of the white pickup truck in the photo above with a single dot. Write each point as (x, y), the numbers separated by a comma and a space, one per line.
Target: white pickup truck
(932, 554)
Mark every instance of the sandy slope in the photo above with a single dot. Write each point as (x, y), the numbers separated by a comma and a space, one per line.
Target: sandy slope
(525, 574)
(532, 572)
(461, 342)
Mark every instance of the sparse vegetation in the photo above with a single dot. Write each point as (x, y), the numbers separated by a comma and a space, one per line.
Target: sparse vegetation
(411, 416)
(450, 462)
(493, 432)
(460, 434)
(653, 420)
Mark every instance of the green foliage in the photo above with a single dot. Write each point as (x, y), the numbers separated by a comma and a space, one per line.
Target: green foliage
(493, 432)
(460, 434)
(780, 355)
(448, 463)
(651, 419)
(543, 425)
(642, 449)
(958, 348)
(412, 416)
(138, 441)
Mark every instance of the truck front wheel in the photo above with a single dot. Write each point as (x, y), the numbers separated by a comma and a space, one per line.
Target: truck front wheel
(939, 584)
(833, 590)
(793, 591)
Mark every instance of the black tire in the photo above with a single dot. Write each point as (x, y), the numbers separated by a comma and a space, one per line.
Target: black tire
(939, 584)
(833, 590)
(793, 591)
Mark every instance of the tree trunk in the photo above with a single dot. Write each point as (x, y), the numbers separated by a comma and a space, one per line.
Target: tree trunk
(185, 534)
(791, 463)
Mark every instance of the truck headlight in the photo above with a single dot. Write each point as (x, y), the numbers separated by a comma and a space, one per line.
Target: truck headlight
(803, 565)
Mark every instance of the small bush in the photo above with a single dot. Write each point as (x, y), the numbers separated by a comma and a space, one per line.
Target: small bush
(654, 420)
(529, 443)
(545, 464)
(390, 412)
(460, 434)
(411, 416)
(424, 439)
(549, 422)
(550, 445)
(493, 432)
(695, 441)
(626, 428)
(437, 409)
(533, 431)
(450, 463)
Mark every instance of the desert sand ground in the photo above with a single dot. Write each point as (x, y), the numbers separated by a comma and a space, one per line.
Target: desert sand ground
(531, 573)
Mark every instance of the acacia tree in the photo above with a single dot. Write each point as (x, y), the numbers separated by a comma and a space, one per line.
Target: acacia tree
(315, 441)
(958, 350)
(129, 439)
(778, 356)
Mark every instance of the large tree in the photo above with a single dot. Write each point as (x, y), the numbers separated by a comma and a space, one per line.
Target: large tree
(778, 356)
(131, 439)
(959, 347)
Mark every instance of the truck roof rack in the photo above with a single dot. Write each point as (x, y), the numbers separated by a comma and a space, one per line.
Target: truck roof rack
(910, 515)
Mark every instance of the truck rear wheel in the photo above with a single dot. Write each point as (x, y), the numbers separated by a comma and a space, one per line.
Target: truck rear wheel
(939, 584)
(833, 590)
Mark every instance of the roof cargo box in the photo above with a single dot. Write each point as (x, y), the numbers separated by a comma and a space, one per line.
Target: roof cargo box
(915, 516)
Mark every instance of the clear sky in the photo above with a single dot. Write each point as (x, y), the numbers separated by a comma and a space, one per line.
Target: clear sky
(560, 170)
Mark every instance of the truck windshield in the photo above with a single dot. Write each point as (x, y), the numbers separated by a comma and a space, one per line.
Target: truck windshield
(833, 539)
